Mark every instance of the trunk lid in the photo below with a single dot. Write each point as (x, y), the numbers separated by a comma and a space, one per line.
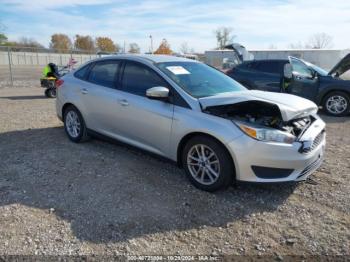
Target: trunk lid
(290, 106)
(341, 67)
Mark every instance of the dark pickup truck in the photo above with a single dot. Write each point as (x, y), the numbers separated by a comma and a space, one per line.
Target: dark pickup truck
(301, 78)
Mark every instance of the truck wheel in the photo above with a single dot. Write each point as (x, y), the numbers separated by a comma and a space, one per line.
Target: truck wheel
(336, 103)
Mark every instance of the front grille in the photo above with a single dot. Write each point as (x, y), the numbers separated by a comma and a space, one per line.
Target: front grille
(309, 146)
(313, 166)
(318, 139)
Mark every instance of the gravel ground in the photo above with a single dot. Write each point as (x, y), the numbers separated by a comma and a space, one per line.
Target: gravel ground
(101, 198)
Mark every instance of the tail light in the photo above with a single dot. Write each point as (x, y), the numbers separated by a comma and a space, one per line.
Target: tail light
(229, 71)
(59, 82)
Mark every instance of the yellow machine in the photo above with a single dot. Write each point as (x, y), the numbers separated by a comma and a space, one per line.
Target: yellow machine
(48, 80)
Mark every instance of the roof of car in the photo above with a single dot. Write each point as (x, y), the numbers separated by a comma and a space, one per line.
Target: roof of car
(150, 58)
(268, 60)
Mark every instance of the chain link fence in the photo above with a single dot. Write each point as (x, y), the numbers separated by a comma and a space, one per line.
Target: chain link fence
(22, 66)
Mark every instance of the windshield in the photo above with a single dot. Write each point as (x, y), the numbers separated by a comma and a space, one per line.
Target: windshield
(319, 70)
(199, 80)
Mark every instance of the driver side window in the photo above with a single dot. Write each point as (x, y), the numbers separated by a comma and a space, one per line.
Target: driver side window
(138, 78)
(300, 69)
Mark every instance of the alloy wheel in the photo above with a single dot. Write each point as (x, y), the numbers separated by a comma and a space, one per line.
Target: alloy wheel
(203, 164)
(73, 124)
(336, 104)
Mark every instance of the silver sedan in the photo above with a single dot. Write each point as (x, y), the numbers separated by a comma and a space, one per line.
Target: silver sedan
(186, 111)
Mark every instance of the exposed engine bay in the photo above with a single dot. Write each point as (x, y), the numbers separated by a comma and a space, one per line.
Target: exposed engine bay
(261, 113)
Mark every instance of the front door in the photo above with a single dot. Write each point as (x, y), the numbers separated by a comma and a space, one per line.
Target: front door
(304, 82)
(144, 122)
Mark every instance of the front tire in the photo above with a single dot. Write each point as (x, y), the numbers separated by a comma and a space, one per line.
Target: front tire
(337, 104)
(207, 163)
(74, 125)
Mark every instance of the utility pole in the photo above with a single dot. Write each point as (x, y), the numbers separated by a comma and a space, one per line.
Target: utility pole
(150, 36)
(10, 64)
(124, 47)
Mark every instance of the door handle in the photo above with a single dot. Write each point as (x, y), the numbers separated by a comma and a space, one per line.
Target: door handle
(123, 102)
(84, 91)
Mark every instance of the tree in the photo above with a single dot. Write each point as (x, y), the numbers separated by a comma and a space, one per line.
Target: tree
(85, 43)
(60, 42)
(134, 48)
(297, 45)
(224, 36)
(3, 39)
(2, 27)
(164, 48)
(320, 41)
(272, 47)
(184, 49)
(29, 42)
(106, 44)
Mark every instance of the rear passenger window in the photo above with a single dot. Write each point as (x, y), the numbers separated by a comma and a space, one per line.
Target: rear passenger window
(104, 73)
(138, 78)
(81, 73)
(271, 67)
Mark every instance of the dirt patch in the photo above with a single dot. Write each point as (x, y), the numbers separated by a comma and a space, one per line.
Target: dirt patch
(61, 198)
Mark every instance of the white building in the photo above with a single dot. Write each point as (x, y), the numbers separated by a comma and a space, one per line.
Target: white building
(325, 58)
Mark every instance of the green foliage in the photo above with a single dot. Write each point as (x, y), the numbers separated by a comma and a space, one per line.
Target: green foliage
(3, 39)
(134, 48)
(106, 44)
(85, 43)
(61, 43)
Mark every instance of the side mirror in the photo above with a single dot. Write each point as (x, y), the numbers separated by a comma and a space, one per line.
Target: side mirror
(158, 93)
(288, 71)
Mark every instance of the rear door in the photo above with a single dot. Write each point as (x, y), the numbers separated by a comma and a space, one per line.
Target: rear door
(304, 82)
(144, 122)
(100, 96)
(268, 75)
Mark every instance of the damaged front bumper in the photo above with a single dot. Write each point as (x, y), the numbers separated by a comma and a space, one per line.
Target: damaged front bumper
(257, 161)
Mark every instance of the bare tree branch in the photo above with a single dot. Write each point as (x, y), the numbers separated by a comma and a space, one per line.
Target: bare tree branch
(298, 45)
(184, 48)
(134, 48)
(272, 47)
(320, 41)
(2, 27)
(224, 36)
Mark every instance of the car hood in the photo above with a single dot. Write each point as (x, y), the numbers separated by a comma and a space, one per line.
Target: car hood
(290, 106)
(342, 66)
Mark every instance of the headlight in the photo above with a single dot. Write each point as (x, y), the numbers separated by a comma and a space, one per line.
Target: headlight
(266, 134)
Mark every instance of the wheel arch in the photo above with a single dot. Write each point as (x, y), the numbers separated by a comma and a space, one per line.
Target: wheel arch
(325, 94)
(65, 106)
(189, 136)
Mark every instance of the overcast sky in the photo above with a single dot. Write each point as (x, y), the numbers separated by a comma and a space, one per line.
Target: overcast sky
(257, 24)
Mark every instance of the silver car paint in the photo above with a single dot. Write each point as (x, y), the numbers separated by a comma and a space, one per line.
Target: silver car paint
(159, 127)
(291, 106)
(248, 152)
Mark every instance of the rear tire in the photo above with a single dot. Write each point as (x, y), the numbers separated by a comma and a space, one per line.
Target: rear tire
(336, 103)
(74, 125)
(208, 164)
